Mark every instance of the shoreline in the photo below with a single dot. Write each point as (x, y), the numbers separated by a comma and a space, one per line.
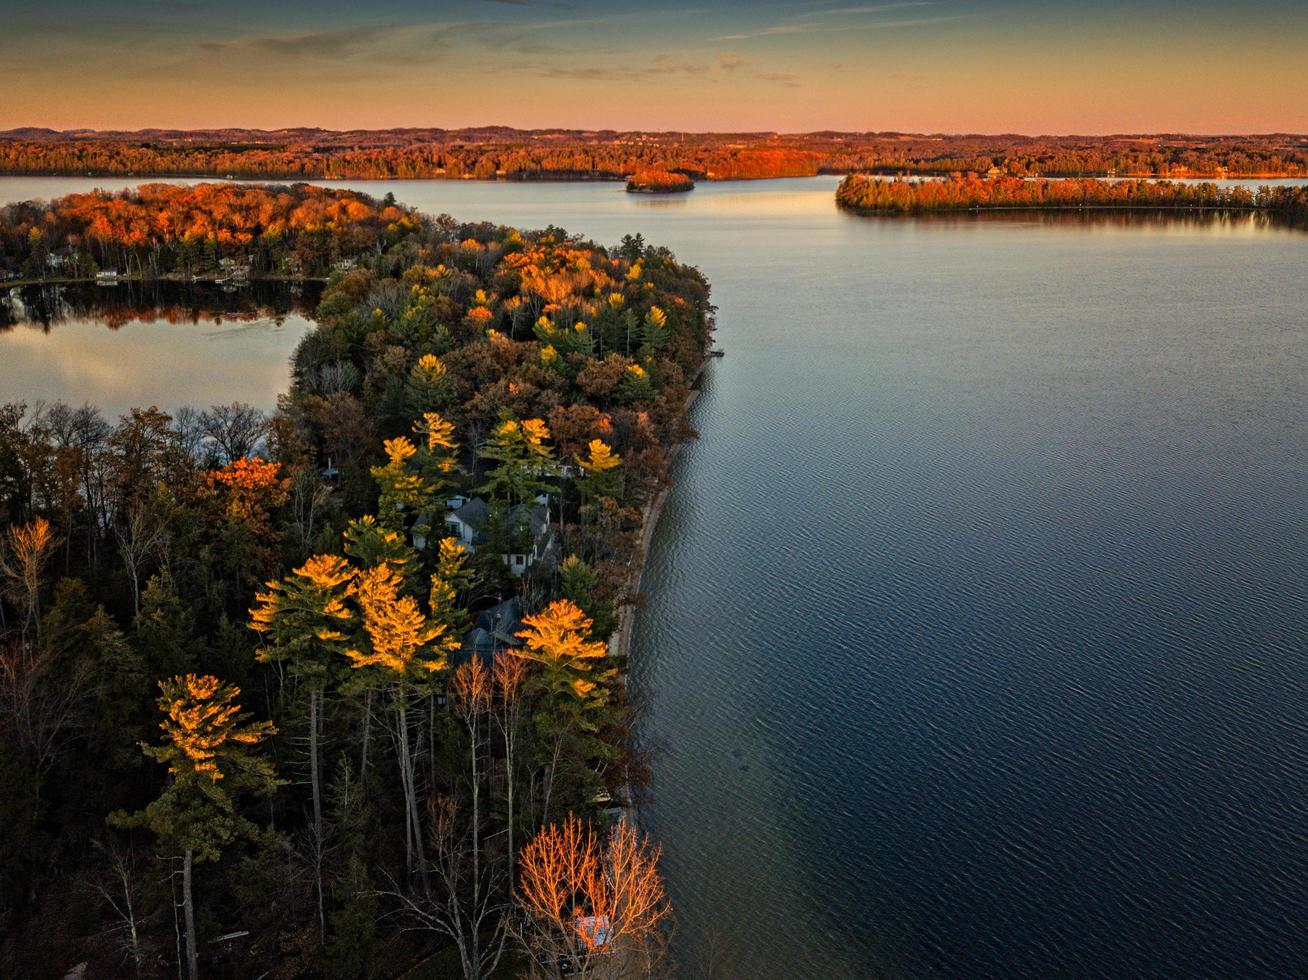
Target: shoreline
(175, 279)
(576, 178)
(976, 209)
(620, 640)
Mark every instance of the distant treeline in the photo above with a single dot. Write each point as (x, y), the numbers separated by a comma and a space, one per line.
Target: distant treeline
(496, 153)
(157, 229)
(867, 194)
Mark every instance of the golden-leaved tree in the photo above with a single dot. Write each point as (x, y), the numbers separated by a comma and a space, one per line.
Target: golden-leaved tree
(209, 747)
(558, 639)
(306, 621)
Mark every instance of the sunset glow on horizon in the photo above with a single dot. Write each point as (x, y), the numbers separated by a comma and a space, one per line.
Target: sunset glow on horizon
(947, 66)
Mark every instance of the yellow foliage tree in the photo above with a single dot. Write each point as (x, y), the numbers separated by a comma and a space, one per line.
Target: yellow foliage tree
(558, 638)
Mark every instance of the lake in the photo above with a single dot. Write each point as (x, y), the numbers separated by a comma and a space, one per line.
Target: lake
(138, 344)
(976, 641)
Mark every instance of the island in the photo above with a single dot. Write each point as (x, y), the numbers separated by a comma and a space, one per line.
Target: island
(869, 194)
(345, 680)
(659, 182)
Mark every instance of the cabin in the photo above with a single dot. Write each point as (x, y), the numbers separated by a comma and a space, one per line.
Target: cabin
(53, 261)
(466, 518)
(531, 534)
(106, 277)
(533, 537)
(596, 930)
(494, 632)
(233, 269)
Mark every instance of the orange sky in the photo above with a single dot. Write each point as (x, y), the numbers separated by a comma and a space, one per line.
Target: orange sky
(945, 66)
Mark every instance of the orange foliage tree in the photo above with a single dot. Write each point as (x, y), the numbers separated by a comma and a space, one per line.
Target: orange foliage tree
(592, 904)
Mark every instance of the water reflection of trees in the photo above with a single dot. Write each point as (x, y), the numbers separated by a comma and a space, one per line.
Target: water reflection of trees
(1242, 221)
(155, 302)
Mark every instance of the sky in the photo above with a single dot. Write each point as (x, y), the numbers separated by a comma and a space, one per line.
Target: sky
(947, 66)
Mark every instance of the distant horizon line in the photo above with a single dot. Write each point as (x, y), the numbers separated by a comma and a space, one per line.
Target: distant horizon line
(16, 132)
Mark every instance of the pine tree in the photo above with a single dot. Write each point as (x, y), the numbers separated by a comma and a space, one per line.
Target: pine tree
(209, 748)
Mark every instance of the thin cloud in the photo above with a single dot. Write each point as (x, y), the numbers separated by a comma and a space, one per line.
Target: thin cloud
(778, 78)
(881, 25)
(876, 9)
(319, 44)
(553, 4)
(408, 45)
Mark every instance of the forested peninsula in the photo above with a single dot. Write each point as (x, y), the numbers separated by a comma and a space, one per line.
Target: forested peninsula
(331, 692)
(866, 194)
(500, 153)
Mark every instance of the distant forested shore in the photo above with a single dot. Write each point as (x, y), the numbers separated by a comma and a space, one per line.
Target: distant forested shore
(496, 153)
(866, 194)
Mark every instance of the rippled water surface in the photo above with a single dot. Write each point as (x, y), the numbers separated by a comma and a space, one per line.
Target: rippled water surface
(977, 633)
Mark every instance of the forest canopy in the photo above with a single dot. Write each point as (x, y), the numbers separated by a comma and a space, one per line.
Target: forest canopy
(335, 684)
(868, 194)
(495, 153)
(160, 228)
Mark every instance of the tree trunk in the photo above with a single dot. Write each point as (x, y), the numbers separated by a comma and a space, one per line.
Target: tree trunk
(549, 778)
(367, 730)
(411, 793)
(192, 957)
(510, 731)
(315, 699)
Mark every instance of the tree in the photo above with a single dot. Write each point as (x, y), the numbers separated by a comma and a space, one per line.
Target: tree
(40, 694)
(140, 531)
(600, 466)
(209, 749)
(524, 462)
(430, 387)
(403, 491)
(303, 616)
(23, 555)
(579, 582)
(558, 639)
(236, 430)
(587, 902)
(401, 646)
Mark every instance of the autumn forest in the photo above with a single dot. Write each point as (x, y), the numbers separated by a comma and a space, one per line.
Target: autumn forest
(331, 691)
(491, 153)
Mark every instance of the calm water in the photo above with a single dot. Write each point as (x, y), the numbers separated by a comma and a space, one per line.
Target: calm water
(134, 345)
(977, 633)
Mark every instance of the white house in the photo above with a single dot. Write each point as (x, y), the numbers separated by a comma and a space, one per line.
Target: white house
(530, 532)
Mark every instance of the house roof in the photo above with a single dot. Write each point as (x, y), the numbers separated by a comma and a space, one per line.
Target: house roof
(503, 621)
(493, 631)
(595, 929)
(473, 513)
(534, 516)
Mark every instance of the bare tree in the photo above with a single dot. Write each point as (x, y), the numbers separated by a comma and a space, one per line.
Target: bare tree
(120, 894)
(309, 495)
(508, 674)
(38, 702)
(190, 432)
(139, 532)
(236, 430)
(589, 906)
(465, 905)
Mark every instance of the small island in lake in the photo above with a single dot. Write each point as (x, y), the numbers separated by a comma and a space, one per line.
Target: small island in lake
(659, 182)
